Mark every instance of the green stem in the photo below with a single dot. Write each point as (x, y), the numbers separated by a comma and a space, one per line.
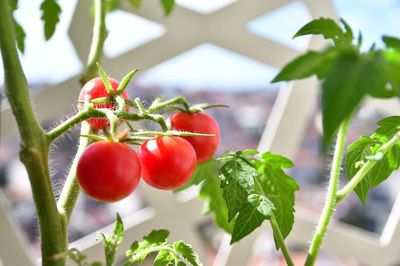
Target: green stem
(330, 203)
(99, 37)
(34, 146)
(275, 228)
(160, 105)
(344, 192)
(281, 241)
(70, 191)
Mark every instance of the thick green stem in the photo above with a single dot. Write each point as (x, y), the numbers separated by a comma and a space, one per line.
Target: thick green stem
(99, 37)
(34, 146)
(330, 203)
(344, 192)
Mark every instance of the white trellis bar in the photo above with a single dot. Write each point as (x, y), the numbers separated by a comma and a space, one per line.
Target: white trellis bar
(285, 129)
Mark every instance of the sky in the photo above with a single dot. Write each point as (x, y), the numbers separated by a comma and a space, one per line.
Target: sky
(204, 67)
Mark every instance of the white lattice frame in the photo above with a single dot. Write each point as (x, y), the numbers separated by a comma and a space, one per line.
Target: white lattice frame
(226, 27)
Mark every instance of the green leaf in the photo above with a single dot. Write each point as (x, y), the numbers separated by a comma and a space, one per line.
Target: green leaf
(308, 64)
(187, 252)
(76, 256)
(279, 188)
(167, 5)
(348, 34)
(111, 5)
(51, 16)
(136, 3)
(255, 210)
(111, 243)
(19, 36)
(19, 31)
(385, 78)
(237, 182)
(364, 149)
(157, 236)
(391, 42)
(328, 28)
(343, 90)
(215, 202)
(164, 258)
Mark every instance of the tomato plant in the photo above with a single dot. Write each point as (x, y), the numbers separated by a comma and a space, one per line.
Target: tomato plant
(242, 189)
(167, 162)
(94, 89)
(198, 122)
(108, 171)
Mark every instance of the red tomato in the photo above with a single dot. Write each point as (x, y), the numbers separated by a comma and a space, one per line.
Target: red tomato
(108, 171)
(205, 147)
(167, 162)
(95, 88)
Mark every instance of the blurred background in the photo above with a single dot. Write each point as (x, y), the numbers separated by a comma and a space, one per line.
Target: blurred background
(216, 51)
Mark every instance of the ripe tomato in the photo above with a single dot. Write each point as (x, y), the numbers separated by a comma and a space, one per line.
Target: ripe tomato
(205, 147)
(95, 88)
(108, 171)
(167, 162)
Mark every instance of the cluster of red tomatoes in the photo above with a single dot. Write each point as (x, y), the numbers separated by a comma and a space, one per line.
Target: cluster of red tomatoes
(109, 170)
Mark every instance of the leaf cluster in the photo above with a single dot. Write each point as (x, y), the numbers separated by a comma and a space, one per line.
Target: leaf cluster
(243, 190)
(176, 254)
(347, 73)
(368, 148)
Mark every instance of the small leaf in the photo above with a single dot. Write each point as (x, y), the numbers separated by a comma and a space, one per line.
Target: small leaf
(136, 3)
(19, 36)
(348, 34)
(279, 188)
(237, 182)
(364, 149)
(106, 80)
(19, 31)
(167, 5)
(111, 243)
(157, 236)
(125, 81)
(111, 5)
(51, 16)
(308, 64)
(255, 210)
(187, 252)
(328, 28)
(391, 42)
(164, 258)
(215, 202)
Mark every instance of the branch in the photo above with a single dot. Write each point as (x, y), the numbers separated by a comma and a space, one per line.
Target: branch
(344, 192)
(99, 37)
(34, 145)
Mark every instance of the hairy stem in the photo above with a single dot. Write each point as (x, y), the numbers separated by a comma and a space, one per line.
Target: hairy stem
(330, 203)
(34, 146)
(70, 191)
(344, 192)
